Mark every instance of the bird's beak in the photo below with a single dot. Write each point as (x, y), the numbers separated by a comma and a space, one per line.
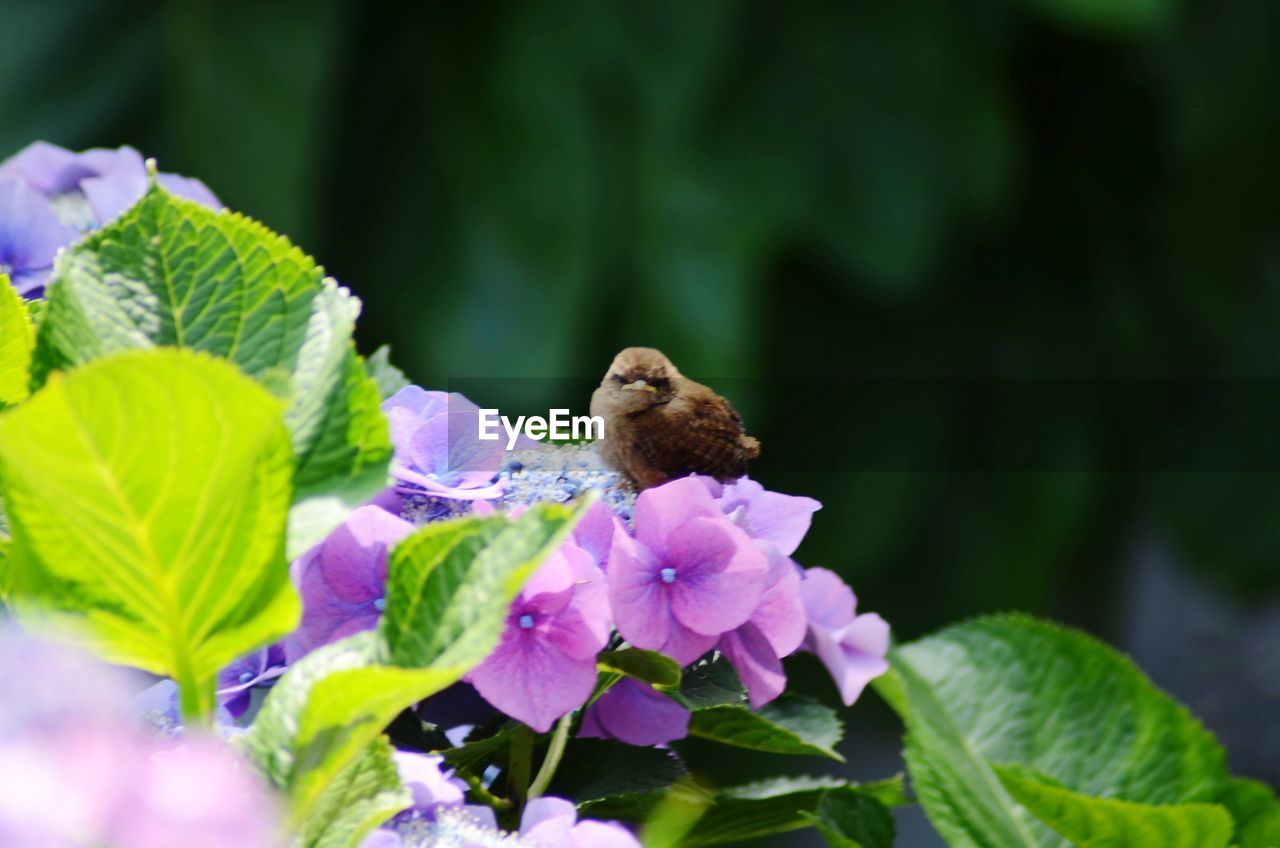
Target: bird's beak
(639, 386)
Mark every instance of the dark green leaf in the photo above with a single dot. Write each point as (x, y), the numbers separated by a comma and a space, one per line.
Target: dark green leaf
(711, 682)
(850, 818)
(789, 725)
(474, 756)
(596, 769)
(761, 809)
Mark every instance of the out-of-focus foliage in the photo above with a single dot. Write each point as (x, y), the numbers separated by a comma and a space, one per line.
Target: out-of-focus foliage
(1045, 188)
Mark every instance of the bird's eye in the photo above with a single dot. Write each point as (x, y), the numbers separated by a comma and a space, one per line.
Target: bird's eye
(619, 379)
(660, 383)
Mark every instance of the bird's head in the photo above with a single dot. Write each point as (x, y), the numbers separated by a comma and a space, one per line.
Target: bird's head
(640, 377)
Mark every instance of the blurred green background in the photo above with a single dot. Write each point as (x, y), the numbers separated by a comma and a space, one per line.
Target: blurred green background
(1035, 189)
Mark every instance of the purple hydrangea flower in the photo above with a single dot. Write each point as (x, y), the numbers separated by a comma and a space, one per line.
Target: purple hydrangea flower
(49, 195)
(775, 629)
(30, 236)
(110, 180)
(635, 713)
(437, 451)
(851, 646)
(237, 681)
(553, 823)
(773, 517)
(594, 532)
(687, 577)
(431, 786)
(545, 664)
(77, 768)
(343, 579)
(198, 795)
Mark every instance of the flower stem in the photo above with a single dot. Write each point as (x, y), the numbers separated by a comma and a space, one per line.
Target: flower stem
(482, 793)
(520, 763)
(559, 739)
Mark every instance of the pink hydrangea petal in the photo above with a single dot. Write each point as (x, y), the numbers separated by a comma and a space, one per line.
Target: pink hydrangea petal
(828, 600)
(112, 194)
(857, 671)
(854, 654)
(417, 402)
(432, 786)
(781, 519)
(638, 598)
(189, 188)
(353, 558)
(532, 681)
(781, 613)
(351, 625)
(546, 809)
(598, 834)
(550, 589)
(683, 645)
(720, 575)
(757, 664)
(594, 533)
(30, 232)
(402, 422)
(660, 510)
(868, 633)
(637, 714)
(47, 168)
(472, 461)
(581, 627)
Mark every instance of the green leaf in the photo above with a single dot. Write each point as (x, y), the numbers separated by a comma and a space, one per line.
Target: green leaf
(5, 542)
(171, 272)
(365, 794)
(711, 682)
(761, 809)
(17, 339)
(656, 669)
(1105, 822)
(327, 709)
(1256, 812)
(389, 378)
(474, 756)
(850, 818)
(1014, 690)
(593, 770)
(450, 585)
(789, 725)
(147, 495)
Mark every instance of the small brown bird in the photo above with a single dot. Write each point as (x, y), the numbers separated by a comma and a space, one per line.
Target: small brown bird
(659, 424)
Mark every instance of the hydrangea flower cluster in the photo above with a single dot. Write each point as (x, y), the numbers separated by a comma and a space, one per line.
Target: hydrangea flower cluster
(440, 818)
(685, 568)
(49, 196)
(77, 768)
